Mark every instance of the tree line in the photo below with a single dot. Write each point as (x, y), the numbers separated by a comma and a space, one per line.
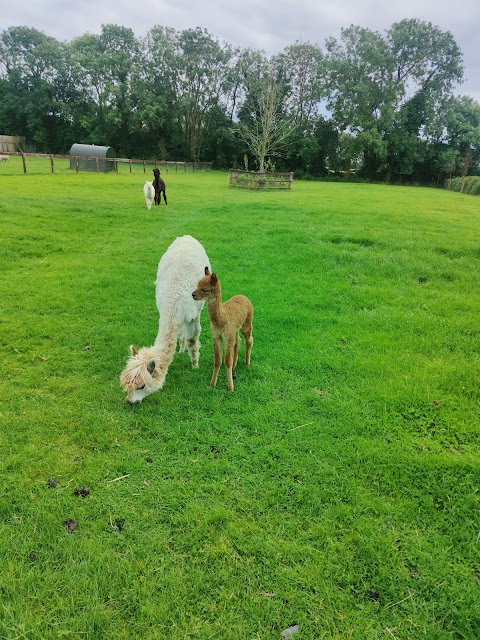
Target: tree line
(380, 105)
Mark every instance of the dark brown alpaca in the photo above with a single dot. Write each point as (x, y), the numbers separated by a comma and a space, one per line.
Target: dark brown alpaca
(226, 321)
(159, 186)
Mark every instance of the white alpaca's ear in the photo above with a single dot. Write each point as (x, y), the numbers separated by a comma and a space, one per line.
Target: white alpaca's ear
(151, 369)
(133, 350)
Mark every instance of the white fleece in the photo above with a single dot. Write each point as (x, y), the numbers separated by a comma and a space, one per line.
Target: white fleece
(149, 193)
(179, 270)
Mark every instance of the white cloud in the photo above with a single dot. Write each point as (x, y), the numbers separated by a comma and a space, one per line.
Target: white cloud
(267, 26)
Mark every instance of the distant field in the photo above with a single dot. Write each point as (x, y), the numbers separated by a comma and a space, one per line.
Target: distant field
(337, 488)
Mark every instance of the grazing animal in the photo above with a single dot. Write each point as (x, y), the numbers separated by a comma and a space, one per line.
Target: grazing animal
(149, 193)
(178, 272)
(159, 186)
(3, 158)
(226, 321)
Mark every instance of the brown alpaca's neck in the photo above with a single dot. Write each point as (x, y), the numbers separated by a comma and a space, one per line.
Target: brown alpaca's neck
(215, 311)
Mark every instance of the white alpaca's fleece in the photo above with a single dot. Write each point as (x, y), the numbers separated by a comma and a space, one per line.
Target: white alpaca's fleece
(179, 271)
(149, 193)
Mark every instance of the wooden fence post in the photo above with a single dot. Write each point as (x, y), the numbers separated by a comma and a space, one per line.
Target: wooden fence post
(51, 163)
(144, 166)
(76, 164)
(130, 160)
(24, 163)
(96, 164)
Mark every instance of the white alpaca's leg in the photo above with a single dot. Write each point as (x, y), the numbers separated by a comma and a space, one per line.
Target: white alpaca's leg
(182, 344)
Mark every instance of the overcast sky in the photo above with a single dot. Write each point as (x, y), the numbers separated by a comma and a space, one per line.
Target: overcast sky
(270, 25)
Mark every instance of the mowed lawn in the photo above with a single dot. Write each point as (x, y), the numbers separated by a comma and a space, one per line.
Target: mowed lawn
(336, 489)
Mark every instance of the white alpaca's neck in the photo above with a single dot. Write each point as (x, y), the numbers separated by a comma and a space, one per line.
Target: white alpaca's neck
(166, 340)
(162, 351)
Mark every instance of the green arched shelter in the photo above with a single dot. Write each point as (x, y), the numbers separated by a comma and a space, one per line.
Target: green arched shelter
(87, 155)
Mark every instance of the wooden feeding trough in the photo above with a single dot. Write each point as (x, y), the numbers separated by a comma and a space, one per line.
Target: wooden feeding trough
(261, 180)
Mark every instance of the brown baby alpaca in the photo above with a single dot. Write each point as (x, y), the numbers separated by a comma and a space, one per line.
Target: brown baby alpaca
(226, 321)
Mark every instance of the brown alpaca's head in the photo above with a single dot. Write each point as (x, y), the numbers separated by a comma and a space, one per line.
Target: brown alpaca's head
(142, 375)
(207, 287)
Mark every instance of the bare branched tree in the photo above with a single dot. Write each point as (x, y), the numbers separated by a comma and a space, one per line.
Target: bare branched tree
(267, 133)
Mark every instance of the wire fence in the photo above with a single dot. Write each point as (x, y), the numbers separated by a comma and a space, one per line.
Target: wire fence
(12, 163)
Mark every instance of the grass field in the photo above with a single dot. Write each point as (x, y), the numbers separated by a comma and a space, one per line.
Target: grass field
(337, 488)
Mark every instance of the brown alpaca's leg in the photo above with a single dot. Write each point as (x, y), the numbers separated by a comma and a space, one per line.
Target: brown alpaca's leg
(217, 360)
(229, 348)
(235, 354)
(248, 345)
(247, 334)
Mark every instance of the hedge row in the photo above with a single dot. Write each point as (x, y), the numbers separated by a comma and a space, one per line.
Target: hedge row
(469, 184)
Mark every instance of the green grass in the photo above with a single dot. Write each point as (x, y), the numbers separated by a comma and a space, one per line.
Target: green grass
(336, 488)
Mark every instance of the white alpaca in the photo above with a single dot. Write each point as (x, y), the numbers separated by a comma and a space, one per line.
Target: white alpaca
(149, 193)
(179, 271)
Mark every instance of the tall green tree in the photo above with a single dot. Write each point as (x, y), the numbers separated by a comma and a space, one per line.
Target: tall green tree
(193, 70)
(428, 64)
(37, 88)
(248, 69)
(455, 137)
(427, 59)
(300, 66)
(359, 70)
(203, 84)
(384, 90)
(107, 65)
(157, 113)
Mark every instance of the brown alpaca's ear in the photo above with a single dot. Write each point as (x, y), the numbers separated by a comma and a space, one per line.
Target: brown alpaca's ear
(213, 279)
(207, 271)
(133, 350)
